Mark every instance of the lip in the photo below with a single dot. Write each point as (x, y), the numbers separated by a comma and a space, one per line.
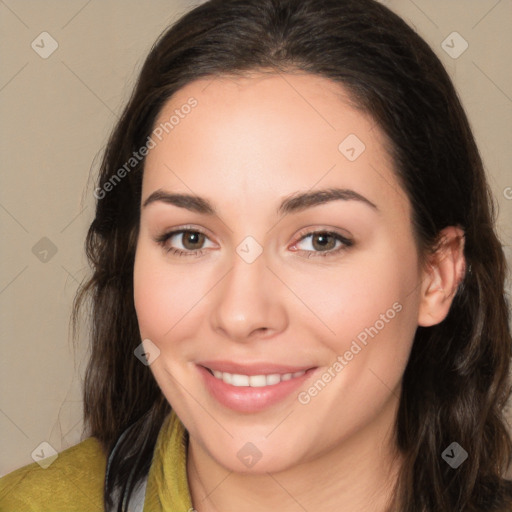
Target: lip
(247, 399)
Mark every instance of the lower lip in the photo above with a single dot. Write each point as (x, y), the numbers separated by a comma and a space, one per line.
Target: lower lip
(249, 399)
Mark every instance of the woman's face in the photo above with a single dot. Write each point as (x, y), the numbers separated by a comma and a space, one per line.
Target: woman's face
(297, 280)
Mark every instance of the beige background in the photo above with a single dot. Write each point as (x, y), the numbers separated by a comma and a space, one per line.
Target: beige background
(55, 116)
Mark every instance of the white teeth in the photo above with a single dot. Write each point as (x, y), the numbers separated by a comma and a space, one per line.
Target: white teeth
(272, 379)
(239, 380)
(255, 381)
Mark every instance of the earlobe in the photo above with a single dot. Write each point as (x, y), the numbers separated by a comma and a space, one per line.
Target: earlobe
(445, 269)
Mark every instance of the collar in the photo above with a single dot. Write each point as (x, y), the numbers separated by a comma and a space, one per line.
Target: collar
(167, 484)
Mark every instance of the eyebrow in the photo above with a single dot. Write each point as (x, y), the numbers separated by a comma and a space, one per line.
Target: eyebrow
(295, 203)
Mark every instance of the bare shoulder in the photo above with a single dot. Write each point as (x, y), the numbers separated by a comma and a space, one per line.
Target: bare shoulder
(73, 481)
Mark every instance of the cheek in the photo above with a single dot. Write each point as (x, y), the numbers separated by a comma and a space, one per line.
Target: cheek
(149, 297)
(368, 310)
(155, 294)
(352, 297)
(168, 297)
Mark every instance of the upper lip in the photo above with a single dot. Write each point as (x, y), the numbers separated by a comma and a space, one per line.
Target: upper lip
(262, 368)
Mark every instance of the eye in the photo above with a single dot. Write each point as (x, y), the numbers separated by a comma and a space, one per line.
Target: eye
(184, 242)
(322, 243)
(192, 242)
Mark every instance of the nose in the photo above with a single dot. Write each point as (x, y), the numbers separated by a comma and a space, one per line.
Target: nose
(249, 302)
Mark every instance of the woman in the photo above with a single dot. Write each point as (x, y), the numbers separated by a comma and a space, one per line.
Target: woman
(297, 297)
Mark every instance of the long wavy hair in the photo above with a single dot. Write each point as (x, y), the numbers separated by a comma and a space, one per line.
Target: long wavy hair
(456, 383)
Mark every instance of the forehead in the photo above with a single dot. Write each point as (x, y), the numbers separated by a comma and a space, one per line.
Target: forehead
(264, 135)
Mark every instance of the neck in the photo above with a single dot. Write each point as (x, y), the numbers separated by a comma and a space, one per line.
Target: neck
(357, 475)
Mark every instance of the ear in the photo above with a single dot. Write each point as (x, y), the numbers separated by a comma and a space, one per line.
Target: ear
(443, 272)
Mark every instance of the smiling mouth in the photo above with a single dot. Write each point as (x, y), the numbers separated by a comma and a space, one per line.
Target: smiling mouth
(254, 381)
(252, 387)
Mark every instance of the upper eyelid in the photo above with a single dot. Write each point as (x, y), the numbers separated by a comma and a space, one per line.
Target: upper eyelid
(330, 231)
(174, 231)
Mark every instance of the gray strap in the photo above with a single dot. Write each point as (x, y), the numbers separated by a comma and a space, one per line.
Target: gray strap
(136, 503)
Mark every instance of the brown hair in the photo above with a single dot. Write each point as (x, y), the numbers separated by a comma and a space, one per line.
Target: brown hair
(456, 381)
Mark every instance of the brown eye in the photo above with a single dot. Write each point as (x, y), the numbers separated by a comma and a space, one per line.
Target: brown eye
(185, 242)
(192, 240)
(323, 241)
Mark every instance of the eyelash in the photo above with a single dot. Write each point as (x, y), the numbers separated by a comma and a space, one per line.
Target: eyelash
(345, 242)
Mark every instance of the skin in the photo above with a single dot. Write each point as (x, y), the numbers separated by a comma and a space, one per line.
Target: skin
(250, 143)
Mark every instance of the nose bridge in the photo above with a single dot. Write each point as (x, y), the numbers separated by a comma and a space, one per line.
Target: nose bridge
(244, 303)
